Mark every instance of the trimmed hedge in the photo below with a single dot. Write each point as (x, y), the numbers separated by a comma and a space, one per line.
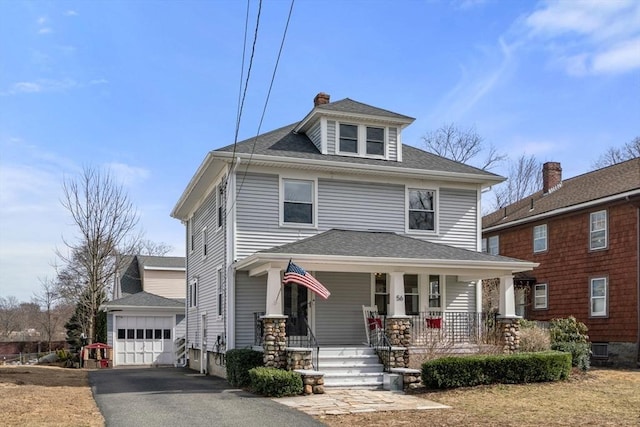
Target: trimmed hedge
(451, 372)
(239, 362)
(275, 382)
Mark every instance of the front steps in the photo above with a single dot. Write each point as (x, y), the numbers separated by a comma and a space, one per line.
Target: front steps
(351, 367)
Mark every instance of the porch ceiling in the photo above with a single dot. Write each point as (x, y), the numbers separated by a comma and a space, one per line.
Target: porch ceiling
(369, 251)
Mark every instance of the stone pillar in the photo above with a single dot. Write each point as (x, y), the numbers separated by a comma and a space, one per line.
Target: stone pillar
(510, 328)
(274, 293)
(274, 341)
(396, 294)
(507, 297)
(299, 358)
(398, 330)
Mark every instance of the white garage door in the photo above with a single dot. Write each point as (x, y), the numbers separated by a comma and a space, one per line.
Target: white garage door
(144, 340)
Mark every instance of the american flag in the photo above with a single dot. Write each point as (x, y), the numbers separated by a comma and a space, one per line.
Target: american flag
(297, 274)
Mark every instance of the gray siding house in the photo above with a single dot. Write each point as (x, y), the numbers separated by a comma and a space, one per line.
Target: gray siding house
(377, 222)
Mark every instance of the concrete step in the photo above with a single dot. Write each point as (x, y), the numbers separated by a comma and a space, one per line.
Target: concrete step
(350, 367)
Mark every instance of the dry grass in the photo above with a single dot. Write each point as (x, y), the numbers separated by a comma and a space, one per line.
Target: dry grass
(43, 395)
(599, 398)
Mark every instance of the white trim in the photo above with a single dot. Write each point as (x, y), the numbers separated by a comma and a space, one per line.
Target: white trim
(559, 211)
(599, 314)
(606, 230)
(546, 296)
(361, 140)
(318, 110)
(436, 211)
(204, 244)
(164, 268)
(546, 238)
(314, 196)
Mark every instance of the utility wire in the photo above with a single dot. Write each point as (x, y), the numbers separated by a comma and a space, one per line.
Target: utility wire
(266, 103)
(246, 84)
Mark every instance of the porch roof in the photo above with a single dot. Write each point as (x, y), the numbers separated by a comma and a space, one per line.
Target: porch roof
(379, 251)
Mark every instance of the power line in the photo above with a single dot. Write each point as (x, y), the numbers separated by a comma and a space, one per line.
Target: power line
(266, 103)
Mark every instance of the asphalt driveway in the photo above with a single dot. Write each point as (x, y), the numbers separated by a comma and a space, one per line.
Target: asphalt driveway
(181, 397)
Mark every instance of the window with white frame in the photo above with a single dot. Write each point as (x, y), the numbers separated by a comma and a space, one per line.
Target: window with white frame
(540, 238)
(375, 141)
(348, 142)
(411, 294)
(434, 291)
(193, 293)
(219, 277)
(298, 197)
(598, 290)
(422, 210)
(493, 245)
(361, 140)
(381, 292)
(540, 296)
(205, 242)
(192, 243)
(598, 230)
(219, 198)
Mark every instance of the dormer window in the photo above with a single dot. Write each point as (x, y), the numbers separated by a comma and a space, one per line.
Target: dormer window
(375, 141)
(359, 140)
(348, 139)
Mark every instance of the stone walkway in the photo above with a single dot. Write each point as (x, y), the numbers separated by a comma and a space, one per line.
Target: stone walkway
(351, 401)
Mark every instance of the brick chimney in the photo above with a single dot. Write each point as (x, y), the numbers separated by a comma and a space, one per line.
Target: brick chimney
(551, 177)
(321, 98)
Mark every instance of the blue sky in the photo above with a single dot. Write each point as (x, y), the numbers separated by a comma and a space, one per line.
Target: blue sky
(146, 88)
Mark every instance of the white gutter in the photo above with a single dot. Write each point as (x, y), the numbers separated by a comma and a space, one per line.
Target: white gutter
(164, 268)
(560, 211)
(515, 266)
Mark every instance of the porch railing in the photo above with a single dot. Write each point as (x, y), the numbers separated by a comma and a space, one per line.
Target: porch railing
(379, 341)
(305, 339)
(453, 327)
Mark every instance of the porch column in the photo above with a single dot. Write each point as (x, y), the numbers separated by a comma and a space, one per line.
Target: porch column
(274, 293)
(507, 297)
(396, 295)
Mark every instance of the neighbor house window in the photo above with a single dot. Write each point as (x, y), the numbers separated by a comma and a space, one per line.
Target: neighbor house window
(375, 141)
(598, 230)
(540, 296)
(205, 242)
(599, 296)
(434, 291)
(348, 138)
(493, 245)
(411, 295)
(381, 292)
(422, 210)
(298, 202)
(540, 238)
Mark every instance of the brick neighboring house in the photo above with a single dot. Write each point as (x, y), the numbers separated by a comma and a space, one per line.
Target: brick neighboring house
(585, 233)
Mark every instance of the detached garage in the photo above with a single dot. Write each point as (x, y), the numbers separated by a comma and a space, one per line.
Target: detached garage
(145, 329)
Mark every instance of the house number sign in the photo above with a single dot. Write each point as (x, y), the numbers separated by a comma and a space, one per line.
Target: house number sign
(399, 298)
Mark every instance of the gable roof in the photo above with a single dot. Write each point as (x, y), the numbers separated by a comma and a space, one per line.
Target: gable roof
(146, 300)
(161, 262)
(602, 185)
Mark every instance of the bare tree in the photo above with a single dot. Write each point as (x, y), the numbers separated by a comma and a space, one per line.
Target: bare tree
(105, 220)
(48, 299)
(461, 145)
(614, 155)
(523, 179)
(149, 247)
(9, 315)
